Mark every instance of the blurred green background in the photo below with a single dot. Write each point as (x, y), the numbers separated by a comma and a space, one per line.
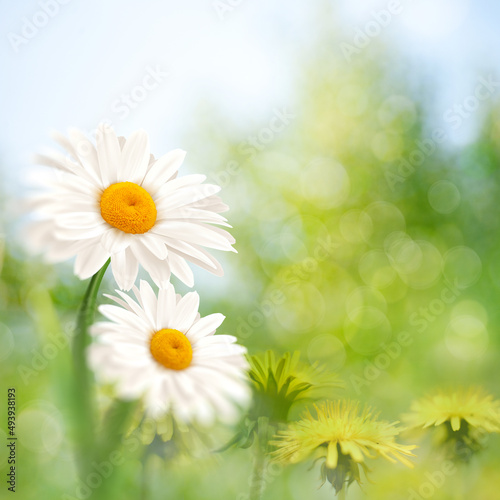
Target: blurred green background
(365, 210)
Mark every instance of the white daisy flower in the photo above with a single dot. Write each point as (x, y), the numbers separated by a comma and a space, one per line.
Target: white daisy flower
(116, 200)
(160, 349)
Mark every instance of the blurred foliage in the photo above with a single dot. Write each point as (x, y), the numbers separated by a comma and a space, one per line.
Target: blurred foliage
(386, 272)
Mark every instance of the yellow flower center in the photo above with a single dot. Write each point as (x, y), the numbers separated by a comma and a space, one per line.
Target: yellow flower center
(128, 207)
(172, 349)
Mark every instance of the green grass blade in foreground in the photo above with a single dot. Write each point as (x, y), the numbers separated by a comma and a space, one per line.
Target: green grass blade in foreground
(83, 401)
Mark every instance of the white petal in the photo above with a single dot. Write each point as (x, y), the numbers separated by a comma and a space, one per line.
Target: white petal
(180, 268)
(122, 316)
(155, 244)
(64, 250)
(186, 311)
(159, 270)
(109, 154)
(194, 233)
(86, 154)
(114, 240)
(162, 170)
(133, 306)
(166, 308)
(65, 233)
(90, 260)
(137, 383)
(226, 411)
(188, 196)
(134, 158)
(194, 214)
(125, 268)
(59, 161)
(149, 301)
(205, 326)
(216, 339)
(71, 184)
(179, 183)
(207, 262)
(80, 220)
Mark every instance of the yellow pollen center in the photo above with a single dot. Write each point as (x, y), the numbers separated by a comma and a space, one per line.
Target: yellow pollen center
(172, 349)
(128, 207)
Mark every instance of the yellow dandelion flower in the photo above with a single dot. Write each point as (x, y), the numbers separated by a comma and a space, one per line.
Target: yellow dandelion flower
(466, 414)
(471, 405)
(277, 383)
(280, 382)
(344, 435)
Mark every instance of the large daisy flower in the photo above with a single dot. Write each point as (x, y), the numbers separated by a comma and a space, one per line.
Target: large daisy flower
(116, 200)
(159, 348)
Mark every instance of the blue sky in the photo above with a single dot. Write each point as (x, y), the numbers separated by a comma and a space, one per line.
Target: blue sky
(75, 70)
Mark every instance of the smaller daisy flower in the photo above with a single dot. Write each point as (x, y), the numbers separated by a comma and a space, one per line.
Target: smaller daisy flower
(343, 436)
(465, 415)
(158, 347)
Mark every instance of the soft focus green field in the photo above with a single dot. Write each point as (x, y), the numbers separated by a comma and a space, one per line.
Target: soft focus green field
(367, 241)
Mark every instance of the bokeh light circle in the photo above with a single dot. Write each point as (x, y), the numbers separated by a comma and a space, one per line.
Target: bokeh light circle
(466, 338)
(429, 268)
(444, 197)
(306, 227)
(40, 428)
(405, 254)
(367, 331)
(302, 309)
(293, 247)
(469, 307)
(364, 296)
(375, 269)
(355, 226)
(328, 350)
(462, 266)
(386, 219)
(325, 183)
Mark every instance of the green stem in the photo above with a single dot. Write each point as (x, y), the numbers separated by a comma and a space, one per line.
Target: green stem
(342, 493)
(257, 483)
(263, 433)
(114, 427)
(83, 404)
(110, 444)
(461, 482)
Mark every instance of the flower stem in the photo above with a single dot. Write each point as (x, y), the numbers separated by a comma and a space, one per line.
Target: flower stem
(264, 431)
(257, 483)
(82, 395)
(461, 483)
(342, 493)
